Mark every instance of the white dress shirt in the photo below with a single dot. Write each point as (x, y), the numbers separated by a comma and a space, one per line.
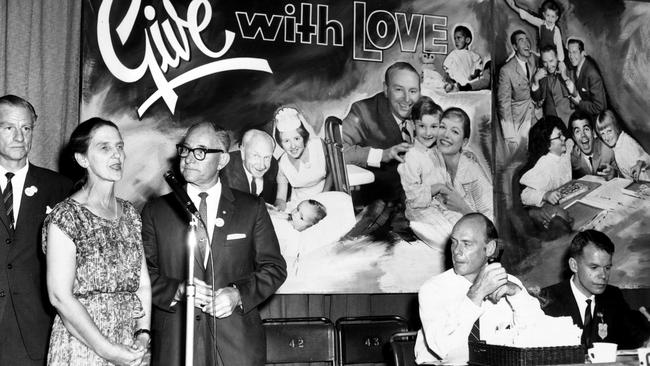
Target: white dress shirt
(448, 315)
(259, 183)
(581, 300)
(212, 201)
(17, 183)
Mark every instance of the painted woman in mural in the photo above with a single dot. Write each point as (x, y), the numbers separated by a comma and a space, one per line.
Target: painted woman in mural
(303, 166)
(97, 276)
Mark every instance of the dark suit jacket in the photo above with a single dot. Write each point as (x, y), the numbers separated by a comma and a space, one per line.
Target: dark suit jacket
(252, 262)
(626, 327)
(22, 263)
(591, 88)
(554, 97)
(234, 176)
(601, 154)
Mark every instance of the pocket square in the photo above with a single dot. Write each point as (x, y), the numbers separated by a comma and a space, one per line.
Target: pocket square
(235, 236)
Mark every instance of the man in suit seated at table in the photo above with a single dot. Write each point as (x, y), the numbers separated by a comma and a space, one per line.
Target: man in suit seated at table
(253, 166)
(590, 155)
(471, 301)
(596, 307)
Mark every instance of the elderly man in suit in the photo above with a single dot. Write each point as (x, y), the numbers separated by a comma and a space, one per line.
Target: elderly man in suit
(589, 95)
(378, 131)
(590, 155)
(514, 102)
(550, 87)
(595, 306)
(28, 192)
(253, 169)
(238, 261)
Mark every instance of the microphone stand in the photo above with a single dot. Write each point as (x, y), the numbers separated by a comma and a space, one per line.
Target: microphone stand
(190, 292)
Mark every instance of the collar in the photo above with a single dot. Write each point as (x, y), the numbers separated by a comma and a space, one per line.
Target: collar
(19, 175)
(579, 67)
(522, 63)
(578, 295)
(398, 120)
(213, 192)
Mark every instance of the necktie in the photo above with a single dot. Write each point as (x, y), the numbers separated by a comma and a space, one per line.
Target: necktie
(406, 135)
(8, 198)
(475, 333)
(527, 71)
(591, 164)
(202, 234)
(253, 187)
(586, 329)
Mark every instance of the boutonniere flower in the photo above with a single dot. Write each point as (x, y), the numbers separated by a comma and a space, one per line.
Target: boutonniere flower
(30, 191)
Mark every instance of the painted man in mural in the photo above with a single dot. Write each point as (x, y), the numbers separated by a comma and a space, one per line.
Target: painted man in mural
(253, 167)
(514, 102)
(589, 95)
(467, 301)
(238, 264)
(590, 155)
(28, 192)
(595, 306)
(378, 131)
(550, 87)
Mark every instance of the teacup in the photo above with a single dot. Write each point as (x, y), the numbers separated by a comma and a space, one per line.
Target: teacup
(644, 356)
(602, 352)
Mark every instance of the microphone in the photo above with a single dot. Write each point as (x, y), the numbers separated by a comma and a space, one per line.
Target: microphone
(180, 193)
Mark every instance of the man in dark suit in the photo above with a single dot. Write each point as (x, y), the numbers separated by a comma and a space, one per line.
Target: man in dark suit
(589, 93)
(514, 102)
(549, 86)
(590, 155)
(377, 131)
(253, 166)
(596, 307)
(238, 262)
(28, 193)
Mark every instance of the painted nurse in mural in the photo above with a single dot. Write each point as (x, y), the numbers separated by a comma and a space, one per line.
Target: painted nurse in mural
(303, 166)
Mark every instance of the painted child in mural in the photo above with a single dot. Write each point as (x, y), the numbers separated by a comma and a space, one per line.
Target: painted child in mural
(632, 161)
(435, 197)
(303, 164)
(549, 168)
(430, 78)
(549, 32)
(462, 65)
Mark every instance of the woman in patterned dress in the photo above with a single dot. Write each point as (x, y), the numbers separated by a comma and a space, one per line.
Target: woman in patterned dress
(97, 277)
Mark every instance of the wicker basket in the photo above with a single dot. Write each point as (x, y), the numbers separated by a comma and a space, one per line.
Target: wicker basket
(483, 354)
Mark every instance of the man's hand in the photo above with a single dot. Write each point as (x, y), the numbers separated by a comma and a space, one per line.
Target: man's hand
(552, 197)
(202, 296)
(606, 170)
(226, 299)
(509, 289)
(489, 279)
(570, 86)
(395, 152)
(575, 99)
(637, 169)
(539, 75)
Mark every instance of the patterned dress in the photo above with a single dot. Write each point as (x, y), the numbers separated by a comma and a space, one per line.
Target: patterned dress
(109, 258)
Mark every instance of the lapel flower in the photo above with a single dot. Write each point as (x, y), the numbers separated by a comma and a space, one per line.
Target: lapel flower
(30, 191)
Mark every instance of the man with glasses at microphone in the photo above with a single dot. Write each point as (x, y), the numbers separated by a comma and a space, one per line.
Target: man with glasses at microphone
(238, 262)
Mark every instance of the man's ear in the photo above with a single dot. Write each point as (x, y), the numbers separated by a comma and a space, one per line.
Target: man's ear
(573, 265)
(223, 160)
(385, 89)
(491, 248)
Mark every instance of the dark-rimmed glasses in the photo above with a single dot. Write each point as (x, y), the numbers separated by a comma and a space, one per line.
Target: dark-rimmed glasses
(198, 152)
(559, 137)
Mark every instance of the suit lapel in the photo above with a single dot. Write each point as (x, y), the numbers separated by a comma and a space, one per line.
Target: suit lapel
(224, 215)
(574, 310)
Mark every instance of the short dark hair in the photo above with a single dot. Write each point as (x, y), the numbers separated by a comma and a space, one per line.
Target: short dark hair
(548, 48)
(579, 42)
(539, 137)
(400, 65)
(580, 116)
(551, 5)
(490, 230)
(16, 101)
(584, 238)
(513, 36)
(79, 143)
(222, 135)
(423, 107)
(455, 112)
(465, 31)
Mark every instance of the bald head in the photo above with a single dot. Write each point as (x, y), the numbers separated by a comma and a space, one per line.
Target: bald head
(473, 240)
(257, 152)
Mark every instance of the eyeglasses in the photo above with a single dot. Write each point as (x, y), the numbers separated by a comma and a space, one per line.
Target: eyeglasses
(198, 152)
(557, 137)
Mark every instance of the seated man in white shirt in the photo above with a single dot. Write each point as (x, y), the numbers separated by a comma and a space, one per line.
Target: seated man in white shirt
(472, 300)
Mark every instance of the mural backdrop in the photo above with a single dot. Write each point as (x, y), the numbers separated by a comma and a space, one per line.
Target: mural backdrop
(157, 67)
